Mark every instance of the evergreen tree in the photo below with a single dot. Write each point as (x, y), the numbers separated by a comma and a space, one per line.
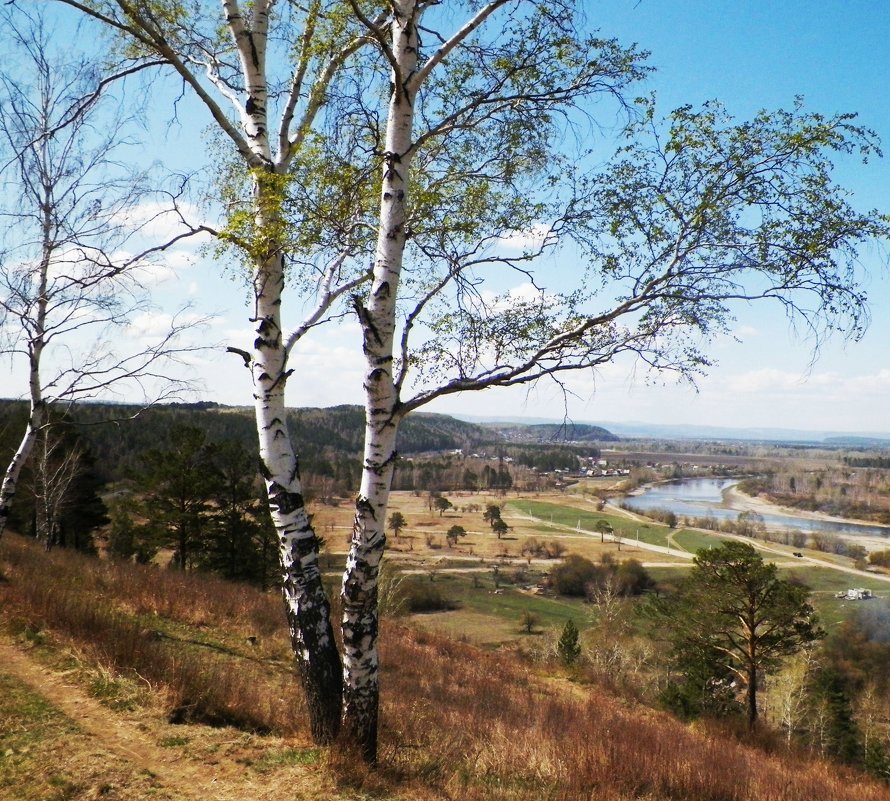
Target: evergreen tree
(235, 541)
(180, 483)
(569, 645)
(734, 615)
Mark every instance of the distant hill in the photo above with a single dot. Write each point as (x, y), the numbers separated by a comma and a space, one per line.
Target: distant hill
(553, 433)
(325, 436)
(679, 431)
(850, 441)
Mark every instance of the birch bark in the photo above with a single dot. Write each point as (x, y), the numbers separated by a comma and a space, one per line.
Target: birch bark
(306, 605)
(377, 317)
(36, 341)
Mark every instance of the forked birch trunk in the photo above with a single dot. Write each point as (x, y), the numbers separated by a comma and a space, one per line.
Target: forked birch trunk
(377, 318)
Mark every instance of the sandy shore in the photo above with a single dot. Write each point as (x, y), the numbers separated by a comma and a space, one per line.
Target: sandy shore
(736, 499)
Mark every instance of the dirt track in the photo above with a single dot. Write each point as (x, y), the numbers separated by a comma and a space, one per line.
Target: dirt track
(123, 749)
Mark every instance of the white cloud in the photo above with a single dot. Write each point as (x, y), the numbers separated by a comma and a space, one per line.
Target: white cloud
(767, 379)
(522, 293)
(154, 324)
(744, 332)
(157, 222)
(532, 239)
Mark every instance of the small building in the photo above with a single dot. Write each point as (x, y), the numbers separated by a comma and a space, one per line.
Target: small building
(855, 594)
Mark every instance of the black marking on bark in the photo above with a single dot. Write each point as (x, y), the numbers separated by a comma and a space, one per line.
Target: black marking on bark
(255, 57)
(284, 501)
(368, 327)
(382, 290)
(282, 377)
(265, 472)
(364, 506)
(250, 105)
(263, 377)
(321, 673)
(307, 545)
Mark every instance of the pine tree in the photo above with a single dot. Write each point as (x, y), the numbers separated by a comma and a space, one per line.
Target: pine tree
(569, 647)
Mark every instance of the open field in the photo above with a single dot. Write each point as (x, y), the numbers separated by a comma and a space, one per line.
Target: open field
(464, 574)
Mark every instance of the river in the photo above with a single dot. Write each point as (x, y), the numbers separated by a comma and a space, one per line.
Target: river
(701, 497)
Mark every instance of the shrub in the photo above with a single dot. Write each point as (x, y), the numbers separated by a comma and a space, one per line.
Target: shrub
(632, 579)
(426, 597)
(572, 576)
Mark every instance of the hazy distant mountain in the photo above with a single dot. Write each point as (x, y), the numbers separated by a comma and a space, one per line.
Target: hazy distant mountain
(638, 430)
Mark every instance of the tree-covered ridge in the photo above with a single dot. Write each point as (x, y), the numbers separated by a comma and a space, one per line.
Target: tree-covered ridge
(327, 434)
(555, 432)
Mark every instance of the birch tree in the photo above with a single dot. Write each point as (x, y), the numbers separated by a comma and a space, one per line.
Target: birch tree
(475, 111)
(293, 168)
(695, 214)
(71, 273)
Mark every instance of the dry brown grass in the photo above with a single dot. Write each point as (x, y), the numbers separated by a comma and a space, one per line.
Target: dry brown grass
(457, 722)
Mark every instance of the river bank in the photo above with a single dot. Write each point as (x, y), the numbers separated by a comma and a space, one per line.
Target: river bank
(736, 499)
(721, 499)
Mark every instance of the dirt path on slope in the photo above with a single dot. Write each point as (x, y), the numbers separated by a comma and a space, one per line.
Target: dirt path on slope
(134, 739)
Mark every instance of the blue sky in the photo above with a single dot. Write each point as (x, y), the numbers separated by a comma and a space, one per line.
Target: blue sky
(753, 55)
(750, 54)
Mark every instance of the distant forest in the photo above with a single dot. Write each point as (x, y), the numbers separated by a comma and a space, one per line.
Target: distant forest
(328, 438)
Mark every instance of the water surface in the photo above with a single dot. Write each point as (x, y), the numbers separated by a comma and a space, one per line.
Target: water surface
(701, 497)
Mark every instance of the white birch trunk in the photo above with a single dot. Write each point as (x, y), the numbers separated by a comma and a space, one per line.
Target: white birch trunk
(18, 461)
(36, 344)
(377, 318)
(306, 605)
(307, 608)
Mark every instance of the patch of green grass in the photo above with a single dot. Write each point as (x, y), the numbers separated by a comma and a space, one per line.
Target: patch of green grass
(509, 604)
(30, 729)
(693, 541)
(668, 573)
(650, 534)
(174, 742)
(274, 759)
(824, 579)
(573, 517)
(116, 692)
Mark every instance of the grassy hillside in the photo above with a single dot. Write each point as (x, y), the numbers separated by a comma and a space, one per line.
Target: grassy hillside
(200, 701)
